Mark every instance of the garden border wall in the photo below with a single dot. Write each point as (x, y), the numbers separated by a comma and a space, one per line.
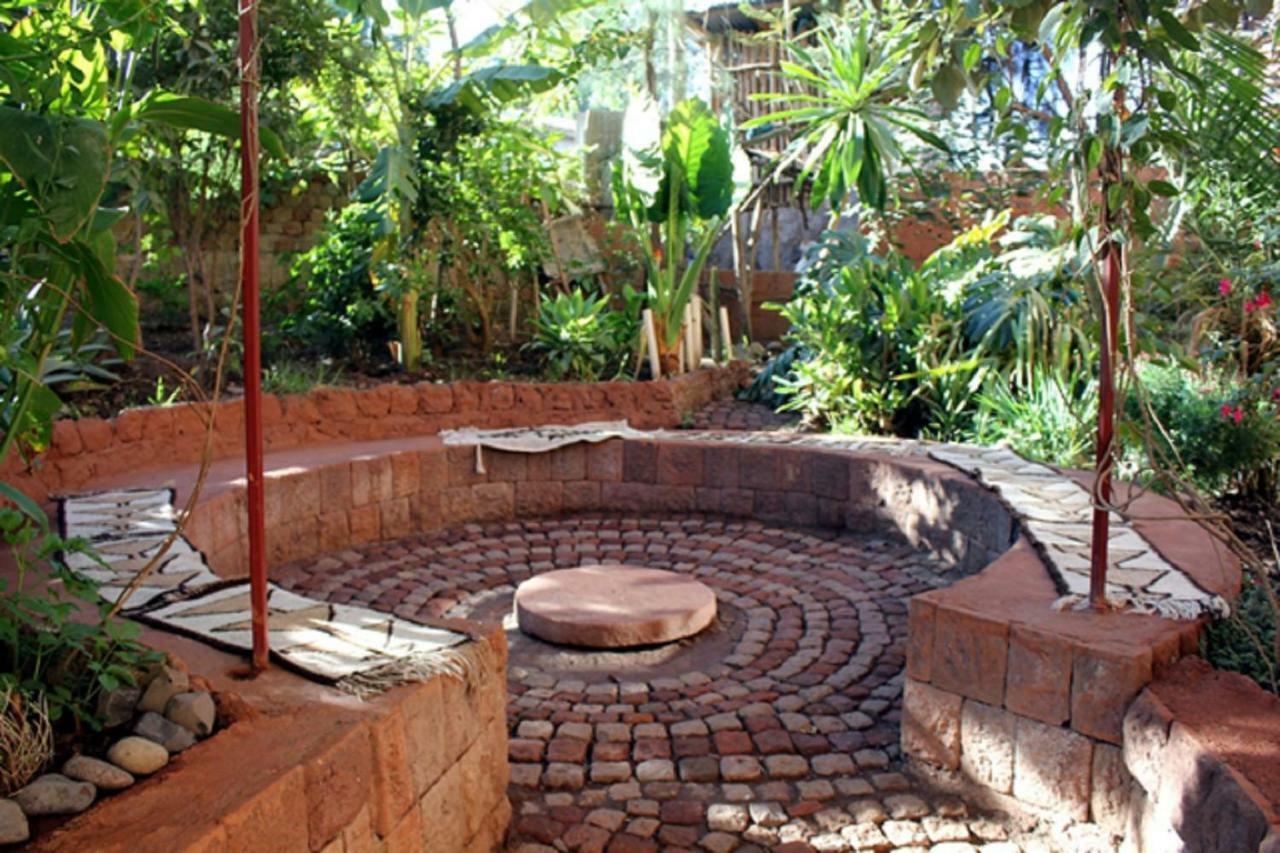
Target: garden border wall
(88, 449)
(305, 768)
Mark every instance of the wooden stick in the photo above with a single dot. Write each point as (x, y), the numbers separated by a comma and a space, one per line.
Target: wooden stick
(651, 337)
(724, 333)
(689, 337)
(697, 331)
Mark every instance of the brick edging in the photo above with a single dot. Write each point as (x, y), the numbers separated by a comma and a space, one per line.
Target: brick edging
(93, 448)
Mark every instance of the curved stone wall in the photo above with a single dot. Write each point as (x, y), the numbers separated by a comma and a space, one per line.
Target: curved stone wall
(312, 509)
(89, 449)
(1003, 691)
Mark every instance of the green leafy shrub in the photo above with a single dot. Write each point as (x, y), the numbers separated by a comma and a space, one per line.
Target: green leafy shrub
(329, 306)
(875, 337)
(1226, 433)
(1245, 641)
(870, 338)
(764, 387)
(581, 337)
(1051, 420)
(51, 655)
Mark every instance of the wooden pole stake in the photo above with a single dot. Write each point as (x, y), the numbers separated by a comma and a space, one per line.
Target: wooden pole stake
(651, 338)
(697, 331)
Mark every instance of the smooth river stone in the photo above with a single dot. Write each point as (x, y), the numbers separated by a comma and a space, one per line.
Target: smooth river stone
(104, 774)
(139, 756)
(609, 607)
(54, 793)
(14, 828)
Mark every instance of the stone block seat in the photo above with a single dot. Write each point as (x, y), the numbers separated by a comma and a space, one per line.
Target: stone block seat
(1000, 690)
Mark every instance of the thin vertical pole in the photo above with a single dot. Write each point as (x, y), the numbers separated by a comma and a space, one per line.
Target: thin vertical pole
(1104, 456)
(1112, 174)
(252, 326)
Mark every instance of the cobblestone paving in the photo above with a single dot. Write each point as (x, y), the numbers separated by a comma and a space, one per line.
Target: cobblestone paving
(776, 728)
(739, 414)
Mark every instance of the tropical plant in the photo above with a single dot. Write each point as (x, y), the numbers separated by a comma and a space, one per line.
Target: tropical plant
(1024, 309)
(675, 184)
(1048, 419)
(575, 336)
(394, 185)
(329, 306)
(849, 106)
(66, 115)
(187, 183)
(1239, 329)
(1223, 434)
(80, 368)
(485, 188)
(869, 333)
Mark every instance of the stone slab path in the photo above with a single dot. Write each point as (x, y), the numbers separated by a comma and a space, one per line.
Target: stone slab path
(776, 728)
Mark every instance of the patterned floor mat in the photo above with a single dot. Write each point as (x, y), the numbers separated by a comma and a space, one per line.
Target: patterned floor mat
(361, 650)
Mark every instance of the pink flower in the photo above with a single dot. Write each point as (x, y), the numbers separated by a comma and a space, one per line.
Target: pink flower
(1224, 286)
(1238, 414)
(1262, 301)
(1226, 410)
(1275, 393)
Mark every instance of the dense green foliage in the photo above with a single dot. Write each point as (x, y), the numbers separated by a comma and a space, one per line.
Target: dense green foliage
(873, 331)
(49, 652)
(980, 341)
(330, 307)
(1224, 437)
(1245, 642)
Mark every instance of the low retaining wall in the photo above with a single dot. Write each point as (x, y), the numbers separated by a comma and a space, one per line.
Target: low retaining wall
(1007, 695)
(93, 448)
(1203, 749)
(316, 771)
(385, 493)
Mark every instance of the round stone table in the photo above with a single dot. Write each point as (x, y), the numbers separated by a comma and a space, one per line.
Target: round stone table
(611, 607)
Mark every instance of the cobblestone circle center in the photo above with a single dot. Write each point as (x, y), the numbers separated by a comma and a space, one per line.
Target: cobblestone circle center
(778, 724)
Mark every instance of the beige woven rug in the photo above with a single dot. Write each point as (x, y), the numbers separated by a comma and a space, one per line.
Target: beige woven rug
(362, 650)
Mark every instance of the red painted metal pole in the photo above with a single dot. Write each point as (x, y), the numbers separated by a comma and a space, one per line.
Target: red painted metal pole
(1112, 174)
(1104, 457)
(252, 327)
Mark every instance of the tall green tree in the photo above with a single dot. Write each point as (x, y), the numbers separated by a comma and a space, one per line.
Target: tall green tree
(67, 112)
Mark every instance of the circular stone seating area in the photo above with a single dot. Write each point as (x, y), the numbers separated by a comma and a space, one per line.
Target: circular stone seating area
(769, 727)
(984, 681)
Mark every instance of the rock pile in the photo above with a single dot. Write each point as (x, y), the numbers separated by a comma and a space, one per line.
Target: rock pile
(166, 714)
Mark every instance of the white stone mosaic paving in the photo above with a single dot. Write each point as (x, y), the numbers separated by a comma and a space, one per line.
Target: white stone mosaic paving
(1054, 511)
(336, 642)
